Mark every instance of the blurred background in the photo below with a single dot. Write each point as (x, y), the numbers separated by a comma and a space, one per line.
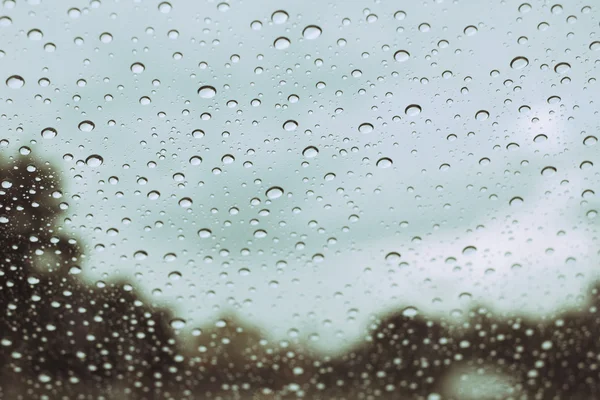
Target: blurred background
(349, 200)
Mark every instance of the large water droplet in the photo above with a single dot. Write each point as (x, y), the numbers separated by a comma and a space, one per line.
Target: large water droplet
(94, 161)
(519, 63)
(274, 192)
(281, 43)
(562, 68)
(207, 92)
(290, 125)
(516, 201)
(204, 233)
(279, 17)
(15, 82)
(137, 68)
(86, 126)
(310, 152)
(384, 162)
(311, 32)
(401, 55)
(590, 140)
(49, 133)
(482, 115)
(413, 110)
(365, 128)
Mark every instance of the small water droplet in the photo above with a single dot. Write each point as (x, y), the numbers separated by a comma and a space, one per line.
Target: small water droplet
(410, 312)
(281, 43)
(177, 323)
(590, 140)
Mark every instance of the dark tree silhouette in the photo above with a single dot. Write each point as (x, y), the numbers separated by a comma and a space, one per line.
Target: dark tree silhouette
(62, 338)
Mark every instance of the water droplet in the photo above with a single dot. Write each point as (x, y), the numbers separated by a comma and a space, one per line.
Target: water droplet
(482, 115)
(185, 202)
(562, 68)
(106, 37)
(35, 34)
(470, 30)
(15, 82)
(153, 195)
(469, 250)
(177, 323)
(410, 312)
(281, 43)
(5, 21)
(274, 192)
(401, 55)
(399, 15)
(137, 68)
(94, 161)
(74, 13)
(207, 92)
(204, 233)
(595, 46)
(140, 255)
(590, 140)
(260, 234)
(519, 63)
(365, 128)
(384, 162)
(592, 214)
(424, 27)
(515, 201)
(392, 258)
(413, 110)
(525, 8)
(311, 32)
(541, 138)
(548, 171)
(290, 125)
(165, 7)
(279, 17)
(49, 133)
(86, 126)
(310, 152)
(195, 160)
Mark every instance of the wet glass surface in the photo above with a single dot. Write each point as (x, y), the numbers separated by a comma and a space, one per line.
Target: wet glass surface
(281, 200)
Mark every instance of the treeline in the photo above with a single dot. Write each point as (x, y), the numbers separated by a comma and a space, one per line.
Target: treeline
(62, 338)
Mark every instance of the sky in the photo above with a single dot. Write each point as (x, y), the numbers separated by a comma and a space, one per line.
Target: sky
(428, 158)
